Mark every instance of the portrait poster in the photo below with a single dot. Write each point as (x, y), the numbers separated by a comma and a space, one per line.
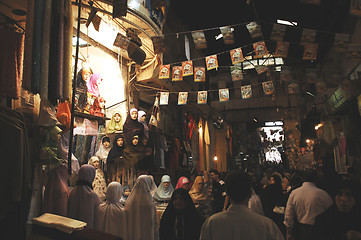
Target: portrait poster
(308, 36)
(254, 29)
(227, 33)
(164, 98)
(260, 49)
(182, 98)
(199, 74)
(246, 91)
(282, 49)
(236, 55)
(278, 32)
(223, 95)
(268, 88)
(341, 42)
(211, 62)
(187, 68)
(236, 73)
(310, 51)
(202, 97)
(199, 40)
(177, 73)
(164, 71)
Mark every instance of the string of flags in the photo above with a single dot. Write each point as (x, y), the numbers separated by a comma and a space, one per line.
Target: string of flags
(223, 94)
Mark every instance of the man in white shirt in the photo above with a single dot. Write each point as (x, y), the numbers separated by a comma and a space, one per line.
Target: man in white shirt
(239, 222)
(303, 206)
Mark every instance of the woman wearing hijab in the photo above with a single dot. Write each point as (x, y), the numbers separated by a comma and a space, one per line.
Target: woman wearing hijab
(110, 216)
(164, 190)
(183, 182)
(125, 194)
(93, 89)
(180, 220)
(132, 127)
(83, 201)
(141, 212)
(199, 196)
(115, 157)
(99, 183)
(141, 118)
(104, 150)
(115, 124)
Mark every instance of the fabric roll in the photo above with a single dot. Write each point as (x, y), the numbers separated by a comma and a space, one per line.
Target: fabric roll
(68, 47)
(26, 84)
(44, 74)
(60, 51)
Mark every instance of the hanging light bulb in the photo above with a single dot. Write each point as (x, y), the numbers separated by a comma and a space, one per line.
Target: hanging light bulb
(215, 158)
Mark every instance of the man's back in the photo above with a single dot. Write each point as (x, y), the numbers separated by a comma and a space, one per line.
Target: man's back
(237, 223)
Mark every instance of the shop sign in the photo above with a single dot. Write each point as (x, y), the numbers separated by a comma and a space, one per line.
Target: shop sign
(338, 98)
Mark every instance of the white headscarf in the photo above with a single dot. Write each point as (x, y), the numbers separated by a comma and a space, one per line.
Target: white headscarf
(103, 152)
(162, 193)
(110, 216)
(141, 212)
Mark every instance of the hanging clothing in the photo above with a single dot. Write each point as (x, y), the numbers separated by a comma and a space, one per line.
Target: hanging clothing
(63, 115)
(141, 212)
(162, 193)
(180, 224)
(92, 84)
(99, 183)
(207, 141)
(131, 128)
(11, 63)
(83, 201)
(146, 128)
(201, 165)
(110, 216)
(115, 158)
(174, 154)
(81, 87)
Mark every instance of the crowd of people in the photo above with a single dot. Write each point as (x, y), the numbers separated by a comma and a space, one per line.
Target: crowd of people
(251, 204)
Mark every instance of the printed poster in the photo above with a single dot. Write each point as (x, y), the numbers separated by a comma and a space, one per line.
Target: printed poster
(182, 98)
(164, 98)
(227, 33)
(223, 95)
(199, 74)
(159, 44)
(236, 73)
(187, 68)
(202, 97)
(246, 91)
(310, 51)
(177, 73)
(341, 42)
(308, 36)
(199, 40)
(282, 49)
(354, 52)
(278, 32)
(236, 55)
(254, 29)
(312, 75)
(268, 88)
(211, 62)
(261, 69)
(164, 71)
(286, 74)
(293, 88)
(260, 49)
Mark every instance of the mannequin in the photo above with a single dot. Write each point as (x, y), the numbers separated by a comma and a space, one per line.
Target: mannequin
(97, 108)
(115, 124)
(115, 157)
(103, 151)
(82, 78)
(132, 127)
(141, 118)
(93, 89)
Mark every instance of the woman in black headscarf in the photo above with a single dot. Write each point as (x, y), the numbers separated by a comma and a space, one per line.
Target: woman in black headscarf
(132, 127)
(115, 157)
(180, 220)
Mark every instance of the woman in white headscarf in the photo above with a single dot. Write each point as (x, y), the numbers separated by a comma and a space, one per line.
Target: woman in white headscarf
(141, 212)
(83, 201)
(165, 190)
(110, 216)
(99, 183)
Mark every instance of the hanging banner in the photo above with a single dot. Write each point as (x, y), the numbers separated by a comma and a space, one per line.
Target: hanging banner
(312, 75)
(260, 49)
(321, 88)
(268, 88)
(211, 62)
(261, 69)
(310, 51)
(223, 95)
(236, 73)
(182, 98)
(282, 49)
(341, 42)
(202, 97)
(187, 68)
(236, 55)
(355, 8)
(286, 74)
(159, 44)
(164, 71)
(121, 41)
(246, 91)
(293, 88)
(199, 40)
(177, 73)
(354, 52)
(278, 32)
(308, 36)
(227, 33)
(254, 29)
(154, 118)
(199, 74)
(164, 98)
